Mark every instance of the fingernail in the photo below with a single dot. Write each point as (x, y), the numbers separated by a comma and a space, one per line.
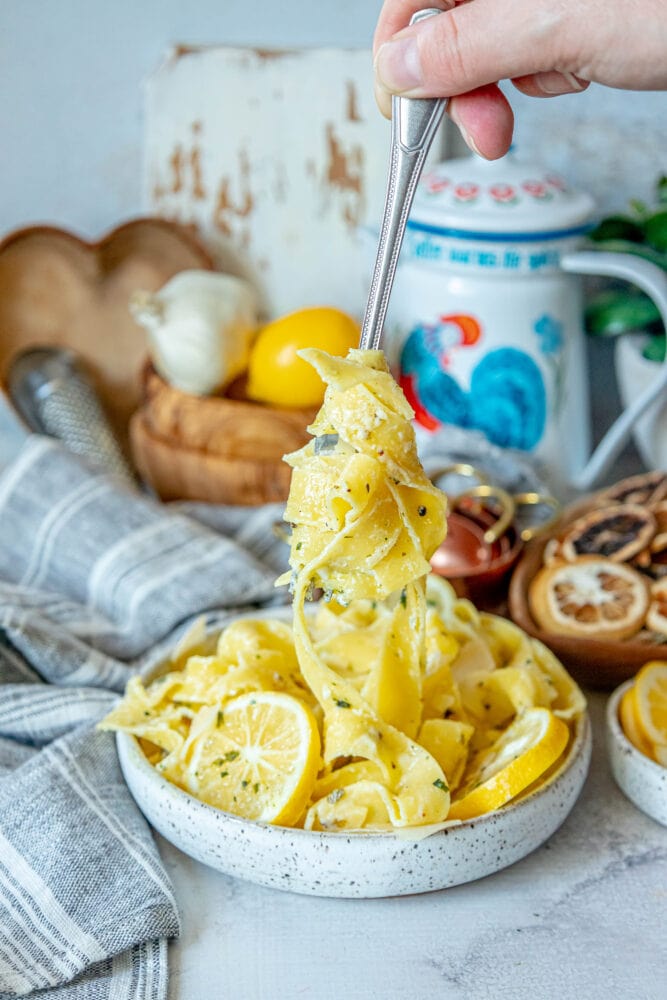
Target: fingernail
(469, 141)
(554, 83)
(465, 134)
(383, 100)
(398, 66)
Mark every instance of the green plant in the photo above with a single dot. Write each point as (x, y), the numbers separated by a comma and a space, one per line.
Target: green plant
(617, 310)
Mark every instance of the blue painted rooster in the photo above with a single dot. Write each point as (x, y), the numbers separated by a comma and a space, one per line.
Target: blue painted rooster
(506, 399)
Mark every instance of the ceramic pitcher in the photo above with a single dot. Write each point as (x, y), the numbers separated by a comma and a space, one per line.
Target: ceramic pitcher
(485, 327)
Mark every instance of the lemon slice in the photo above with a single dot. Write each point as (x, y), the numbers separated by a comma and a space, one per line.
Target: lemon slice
(627, 714)
(258, 758)
(651, 700)
(525, 750)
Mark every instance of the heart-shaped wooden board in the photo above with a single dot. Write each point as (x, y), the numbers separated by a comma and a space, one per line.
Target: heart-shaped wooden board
(57, 289)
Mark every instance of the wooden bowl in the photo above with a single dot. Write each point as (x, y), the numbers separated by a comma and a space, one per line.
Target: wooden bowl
(597, 663)
(219, 449)
(59, 290)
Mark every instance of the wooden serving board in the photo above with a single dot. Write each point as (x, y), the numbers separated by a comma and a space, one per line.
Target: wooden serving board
(59, 290)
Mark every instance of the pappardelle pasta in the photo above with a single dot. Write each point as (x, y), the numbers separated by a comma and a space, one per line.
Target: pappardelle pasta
(394, 703)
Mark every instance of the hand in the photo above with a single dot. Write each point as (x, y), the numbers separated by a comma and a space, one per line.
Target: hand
(546, 47)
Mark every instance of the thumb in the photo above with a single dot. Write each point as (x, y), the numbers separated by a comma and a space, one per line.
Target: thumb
(470, 46)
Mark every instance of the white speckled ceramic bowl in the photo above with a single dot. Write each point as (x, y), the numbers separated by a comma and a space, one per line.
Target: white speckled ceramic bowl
(640, 778)
(351, 865)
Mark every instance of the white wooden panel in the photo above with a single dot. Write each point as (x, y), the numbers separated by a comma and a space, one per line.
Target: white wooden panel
(277, 158)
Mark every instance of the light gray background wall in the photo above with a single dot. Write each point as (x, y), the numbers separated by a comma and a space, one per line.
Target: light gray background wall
(70, 89)
(71, 103)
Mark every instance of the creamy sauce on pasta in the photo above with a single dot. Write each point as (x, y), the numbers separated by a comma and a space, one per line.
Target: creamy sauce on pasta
(365, 521)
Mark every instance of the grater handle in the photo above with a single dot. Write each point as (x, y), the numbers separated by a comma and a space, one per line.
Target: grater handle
(51, 391)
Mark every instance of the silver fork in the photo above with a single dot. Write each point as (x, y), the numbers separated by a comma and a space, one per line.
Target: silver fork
(414, 123)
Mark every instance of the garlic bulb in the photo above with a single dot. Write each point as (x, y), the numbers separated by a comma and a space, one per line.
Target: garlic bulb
(200, 325)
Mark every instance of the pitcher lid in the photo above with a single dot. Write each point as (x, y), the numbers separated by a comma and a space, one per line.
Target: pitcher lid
(509, 195)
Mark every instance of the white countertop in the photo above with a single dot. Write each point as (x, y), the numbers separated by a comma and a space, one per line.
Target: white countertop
(583, 916)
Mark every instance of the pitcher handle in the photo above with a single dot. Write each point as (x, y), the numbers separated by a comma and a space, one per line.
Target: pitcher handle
(652, 280)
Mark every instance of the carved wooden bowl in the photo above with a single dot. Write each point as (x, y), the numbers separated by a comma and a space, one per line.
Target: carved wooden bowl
(219, 449)
(598, 663)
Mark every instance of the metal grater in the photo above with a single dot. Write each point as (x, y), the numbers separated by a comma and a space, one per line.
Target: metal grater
(51, 391)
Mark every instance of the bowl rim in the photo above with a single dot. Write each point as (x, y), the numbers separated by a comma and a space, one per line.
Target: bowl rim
(616, 730)
(135, 755)
(129, 749)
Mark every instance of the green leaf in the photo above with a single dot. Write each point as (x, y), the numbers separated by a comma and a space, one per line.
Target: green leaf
(661, 189)
(614, 312)
(656, 230)
(655, 348)
(618, 227)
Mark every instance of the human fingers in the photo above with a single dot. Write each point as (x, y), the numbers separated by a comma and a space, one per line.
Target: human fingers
(472, 45)
(395, 15)
(483, 41)
(550, 84)
(485, 119)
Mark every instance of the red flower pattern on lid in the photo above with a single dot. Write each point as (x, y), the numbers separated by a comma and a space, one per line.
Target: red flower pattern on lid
(556, 182)
(536, 189)
(466, 191)
(503, 193)
(435, 184)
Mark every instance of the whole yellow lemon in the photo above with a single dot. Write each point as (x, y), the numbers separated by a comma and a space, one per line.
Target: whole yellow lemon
(276, 375)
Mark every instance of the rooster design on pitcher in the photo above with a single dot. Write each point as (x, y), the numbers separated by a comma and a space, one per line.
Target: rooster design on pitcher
(506, 399)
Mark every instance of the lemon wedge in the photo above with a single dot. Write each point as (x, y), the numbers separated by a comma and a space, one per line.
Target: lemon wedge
(524, 751)
(257, 757)
(651, 700)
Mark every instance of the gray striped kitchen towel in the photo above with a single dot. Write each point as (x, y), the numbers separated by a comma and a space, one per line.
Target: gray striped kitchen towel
(92, 578)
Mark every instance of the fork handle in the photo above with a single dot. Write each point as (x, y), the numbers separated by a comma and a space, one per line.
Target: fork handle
(414, 123)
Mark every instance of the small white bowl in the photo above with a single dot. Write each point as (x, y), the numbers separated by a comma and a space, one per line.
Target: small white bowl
(640, 778)
(361, 865)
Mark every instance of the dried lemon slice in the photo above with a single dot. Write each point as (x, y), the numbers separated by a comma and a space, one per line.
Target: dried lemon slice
(525, 750)
(257, 757)
(651, 700)
(590, 597)
(618, 532)
(648, 487)
(653, 559)
(656, 617)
